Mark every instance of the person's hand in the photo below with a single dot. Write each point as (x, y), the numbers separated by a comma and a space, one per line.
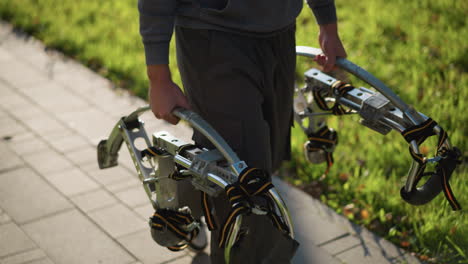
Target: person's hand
(164, 94)
(331, 46)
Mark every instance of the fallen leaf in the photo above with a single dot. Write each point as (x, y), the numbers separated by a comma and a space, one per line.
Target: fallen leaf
(404, 243)
(453, 230)
(424, 150)
(388, 216)
(343, 177)
(348, 209)
(364, 214)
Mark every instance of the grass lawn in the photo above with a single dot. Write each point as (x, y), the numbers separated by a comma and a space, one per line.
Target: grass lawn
(418, 48)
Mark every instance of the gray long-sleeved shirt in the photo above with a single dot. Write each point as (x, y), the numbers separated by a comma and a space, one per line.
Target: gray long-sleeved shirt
(259, 17)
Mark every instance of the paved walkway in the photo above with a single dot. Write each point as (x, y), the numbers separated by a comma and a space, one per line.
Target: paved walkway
(56, 206)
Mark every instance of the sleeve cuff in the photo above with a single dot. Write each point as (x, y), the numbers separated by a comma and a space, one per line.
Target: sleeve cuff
(325, 14)
(157, 53)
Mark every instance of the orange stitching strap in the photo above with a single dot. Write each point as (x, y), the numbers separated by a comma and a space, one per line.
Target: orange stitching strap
(206, 206)
(446, 168)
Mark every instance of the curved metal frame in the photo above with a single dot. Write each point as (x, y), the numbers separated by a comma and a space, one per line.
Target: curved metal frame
(415, 117)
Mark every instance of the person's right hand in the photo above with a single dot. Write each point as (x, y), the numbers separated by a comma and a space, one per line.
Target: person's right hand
(164, 94)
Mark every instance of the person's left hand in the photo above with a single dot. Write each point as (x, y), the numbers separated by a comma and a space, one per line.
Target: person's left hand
(331, 46)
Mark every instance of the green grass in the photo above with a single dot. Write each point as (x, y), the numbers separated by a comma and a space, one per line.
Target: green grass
(418, 48)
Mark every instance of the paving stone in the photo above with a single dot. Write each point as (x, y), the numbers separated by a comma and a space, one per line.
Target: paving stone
(24, 195)
(77, 77)
(4, 218)
(41, 261)
(5, 89)
(72, 182)
(27, 143)
(27, 256)
(14, 72)
(72, 238)
(109, 176)
(118, 220)
(145, 211)
(91, 123)
(33, 53)
(340, 245)
(5, 55)
(321, 229)
(308, 253)
(13, 240)
(101, 95)
(182, 260)
(26, 112)
(46, 94)
(364, 255)
(133, 197)
(198, 258)
(82, 156)
(47, 162)
(11, 100)
(44, 125)
(124, 185)
(94, 200)
(67, 140)
(369, 239)
(112, 102)
(10, 127)
(8, 159)
(146, 250)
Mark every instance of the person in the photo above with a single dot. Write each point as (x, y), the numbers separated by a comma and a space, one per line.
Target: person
(237, 63)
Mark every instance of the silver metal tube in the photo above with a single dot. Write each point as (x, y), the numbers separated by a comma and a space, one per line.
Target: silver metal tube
(217, 180)
(349, 103)
(413, 169)
(393, 124)
(283, 209)
(135, 114)
(182, 161)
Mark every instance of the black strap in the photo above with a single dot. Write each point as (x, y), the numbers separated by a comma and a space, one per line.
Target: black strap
(172, 220)
(445, 167)
(339, 88)
(324, 139)
(152, 152)
(253, 184)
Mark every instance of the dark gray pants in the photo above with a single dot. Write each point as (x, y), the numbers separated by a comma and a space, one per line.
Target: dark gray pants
(243, 86)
